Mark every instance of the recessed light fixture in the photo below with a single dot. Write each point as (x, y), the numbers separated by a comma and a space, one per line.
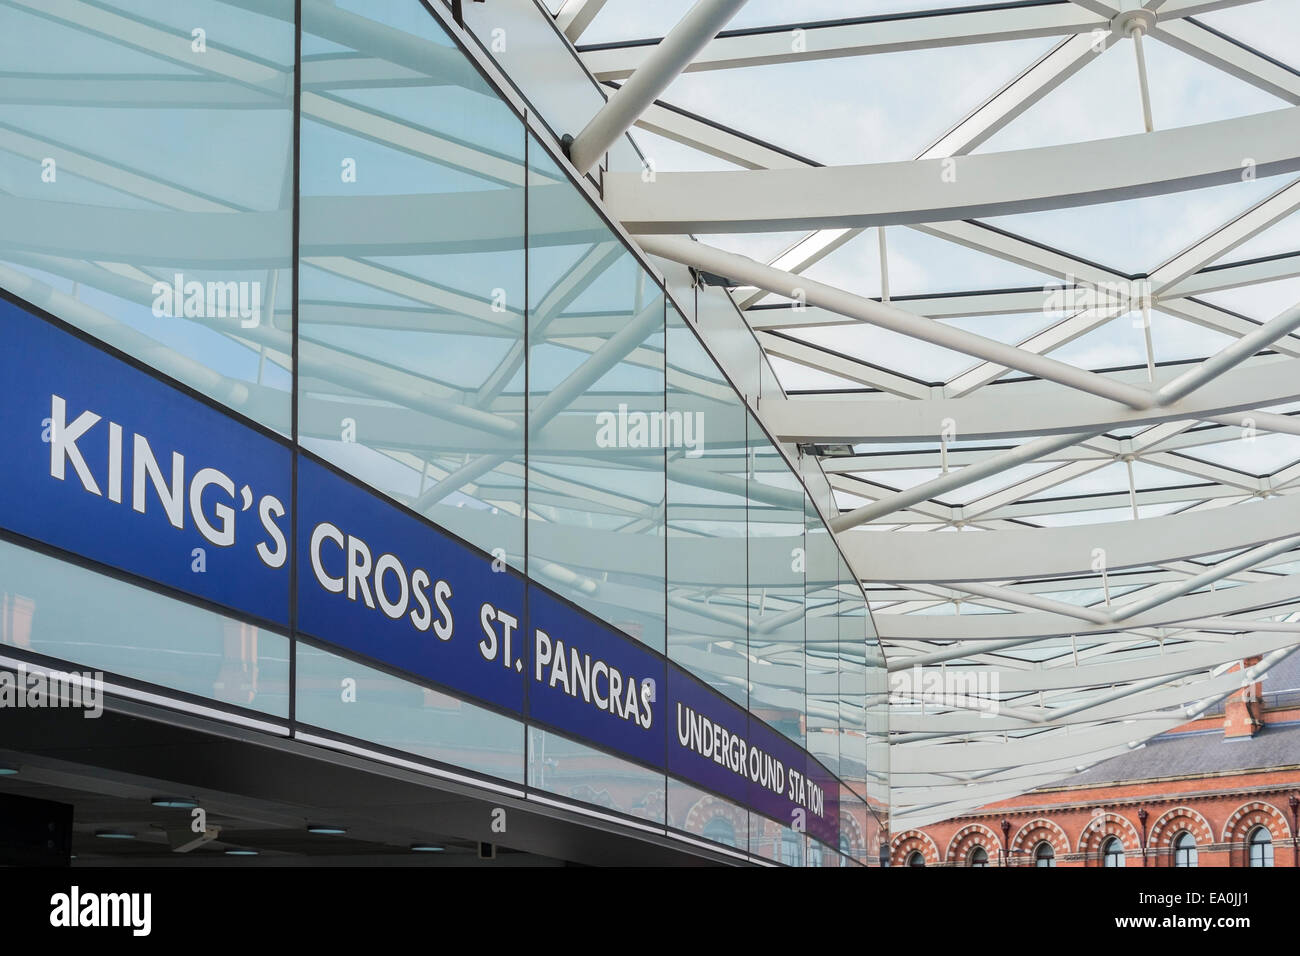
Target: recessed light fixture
(114, 835)
(325, 830)
(241, 853)
(7, 770)
(175, 803)
(426, 848)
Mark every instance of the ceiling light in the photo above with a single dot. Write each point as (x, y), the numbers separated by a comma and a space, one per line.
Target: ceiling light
(426, 848)
(241, 853)
(326, 830)
(175, 803)
(7, 770)
(114, 835)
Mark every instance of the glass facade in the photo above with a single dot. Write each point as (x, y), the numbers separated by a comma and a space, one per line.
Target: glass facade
(475, 347)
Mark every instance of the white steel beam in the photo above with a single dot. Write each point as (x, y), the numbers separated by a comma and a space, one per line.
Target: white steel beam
(663, 65)
(997, 627)
(720, 262)
(1029, 408)
(861, 36)
(574, 16)
(1049, 552)
(987, 184)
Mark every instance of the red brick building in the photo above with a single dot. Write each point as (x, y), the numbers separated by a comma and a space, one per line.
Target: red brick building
(1221, 790)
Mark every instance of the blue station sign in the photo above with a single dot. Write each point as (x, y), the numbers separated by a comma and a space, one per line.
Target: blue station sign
(108, 462)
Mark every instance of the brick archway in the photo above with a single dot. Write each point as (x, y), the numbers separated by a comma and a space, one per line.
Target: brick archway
(967, 838)
(1035, 832)
(851, 830)
(709, 808)
(1244, 820)
(1099, 829)
(1173, 822)
(909, 842)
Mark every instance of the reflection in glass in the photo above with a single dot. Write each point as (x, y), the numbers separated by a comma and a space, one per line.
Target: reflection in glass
(853, 827)
(825, 668)
(573, 770)
(776, 588)
(411, 286)
(775, 842)
(121, 629)
(707, 571)
(706, 815)
(596, 427)
(148, 187)
(405, 716)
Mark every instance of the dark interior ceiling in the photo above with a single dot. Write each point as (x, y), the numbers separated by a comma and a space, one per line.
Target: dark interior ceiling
(262, 793)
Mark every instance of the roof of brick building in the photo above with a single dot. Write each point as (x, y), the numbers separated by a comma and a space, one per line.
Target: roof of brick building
(1200, 752)
(1196, 754)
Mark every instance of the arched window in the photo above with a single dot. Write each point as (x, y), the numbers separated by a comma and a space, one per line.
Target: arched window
(1044, 855)
(1184, 849)
(720, 830)
(978, 857)
(1112, 852)
(1261, 847)
(916, 858)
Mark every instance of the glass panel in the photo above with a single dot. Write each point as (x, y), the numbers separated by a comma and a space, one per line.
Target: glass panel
(122, 629)
(854, 681)
(877, 729)
(730, 338)
(147, 157)
(823, 642)
(411, 291)
(573, 770)
(707, 816)
(772, 841)
(524, 41)
(595, 404)
(854, 829)
(776, 588)
(338, 694)
(707, 572)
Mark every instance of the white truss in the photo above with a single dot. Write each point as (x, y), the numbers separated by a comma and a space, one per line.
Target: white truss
(1089, 538)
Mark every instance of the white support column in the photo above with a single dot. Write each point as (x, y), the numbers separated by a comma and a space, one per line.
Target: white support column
(1135, 23)
(884, 266)
(673, 54)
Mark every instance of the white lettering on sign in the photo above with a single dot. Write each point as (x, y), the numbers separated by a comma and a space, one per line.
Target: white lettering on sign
(592, 680)
(712, 741)
(381, 584)
(214, 500)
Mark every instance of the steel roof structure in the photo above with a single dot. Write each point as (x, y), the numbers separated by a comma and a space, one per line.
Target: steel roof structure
(1029, 273)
